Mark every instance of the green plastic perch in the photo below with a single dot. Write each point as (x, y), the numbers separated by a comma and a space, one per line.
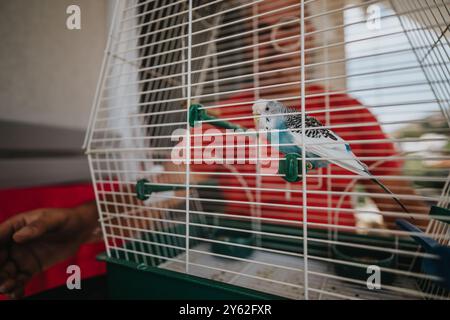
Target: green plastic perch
(144, 189)
(291, 167)
(197, 114)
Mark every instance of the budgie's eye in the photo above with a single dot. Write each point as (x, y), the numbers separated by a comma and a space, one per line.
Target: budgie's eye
(267, 109)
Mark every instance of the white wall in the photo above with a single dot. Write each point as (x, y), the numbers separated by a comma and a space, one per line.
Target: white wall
(48, 74)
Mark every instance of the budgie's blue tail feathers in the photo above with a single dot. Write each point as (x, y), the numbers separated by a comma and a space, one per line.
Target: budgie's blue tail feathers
(386, 189)
(363, 170)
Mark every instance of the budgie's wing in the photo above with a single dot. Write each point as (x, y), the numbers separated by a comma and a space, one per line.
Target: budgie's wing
(326, 144)
(337, 152)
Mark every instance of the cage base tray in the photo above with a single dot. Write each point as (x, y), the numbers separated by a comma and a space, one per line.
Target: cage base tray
(236, 279)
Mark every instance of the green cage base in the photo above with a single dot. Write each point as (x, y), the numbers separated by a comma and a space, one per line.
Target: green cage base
(131, 280)
(127, 280)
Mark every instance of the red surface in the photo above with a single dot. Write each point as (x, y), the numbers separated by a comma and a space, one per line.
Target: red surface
(14, 201)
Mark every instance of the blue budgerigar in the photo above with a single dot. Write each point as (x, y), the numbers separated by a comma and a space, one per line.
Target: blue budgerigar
(273, 118)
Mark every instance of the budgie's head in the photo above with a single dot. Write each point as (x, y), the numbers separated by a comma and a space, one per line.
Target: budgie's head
(268, 114)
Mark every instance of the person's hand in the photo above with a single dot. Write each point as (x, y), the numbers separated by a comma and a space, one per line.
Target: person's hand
(33, 241)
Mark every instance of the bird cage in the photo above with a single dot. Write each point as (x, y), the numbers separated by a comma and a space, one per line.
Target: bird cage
(272, 149)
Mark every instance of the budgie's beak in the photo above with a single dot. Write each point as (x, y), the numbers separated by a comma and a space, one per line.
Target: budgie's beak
(258, 107)
(256, 119)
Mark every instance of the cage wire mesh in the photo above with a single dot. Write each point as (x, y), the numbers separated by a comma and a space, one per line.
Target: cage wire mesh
(376, 73)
